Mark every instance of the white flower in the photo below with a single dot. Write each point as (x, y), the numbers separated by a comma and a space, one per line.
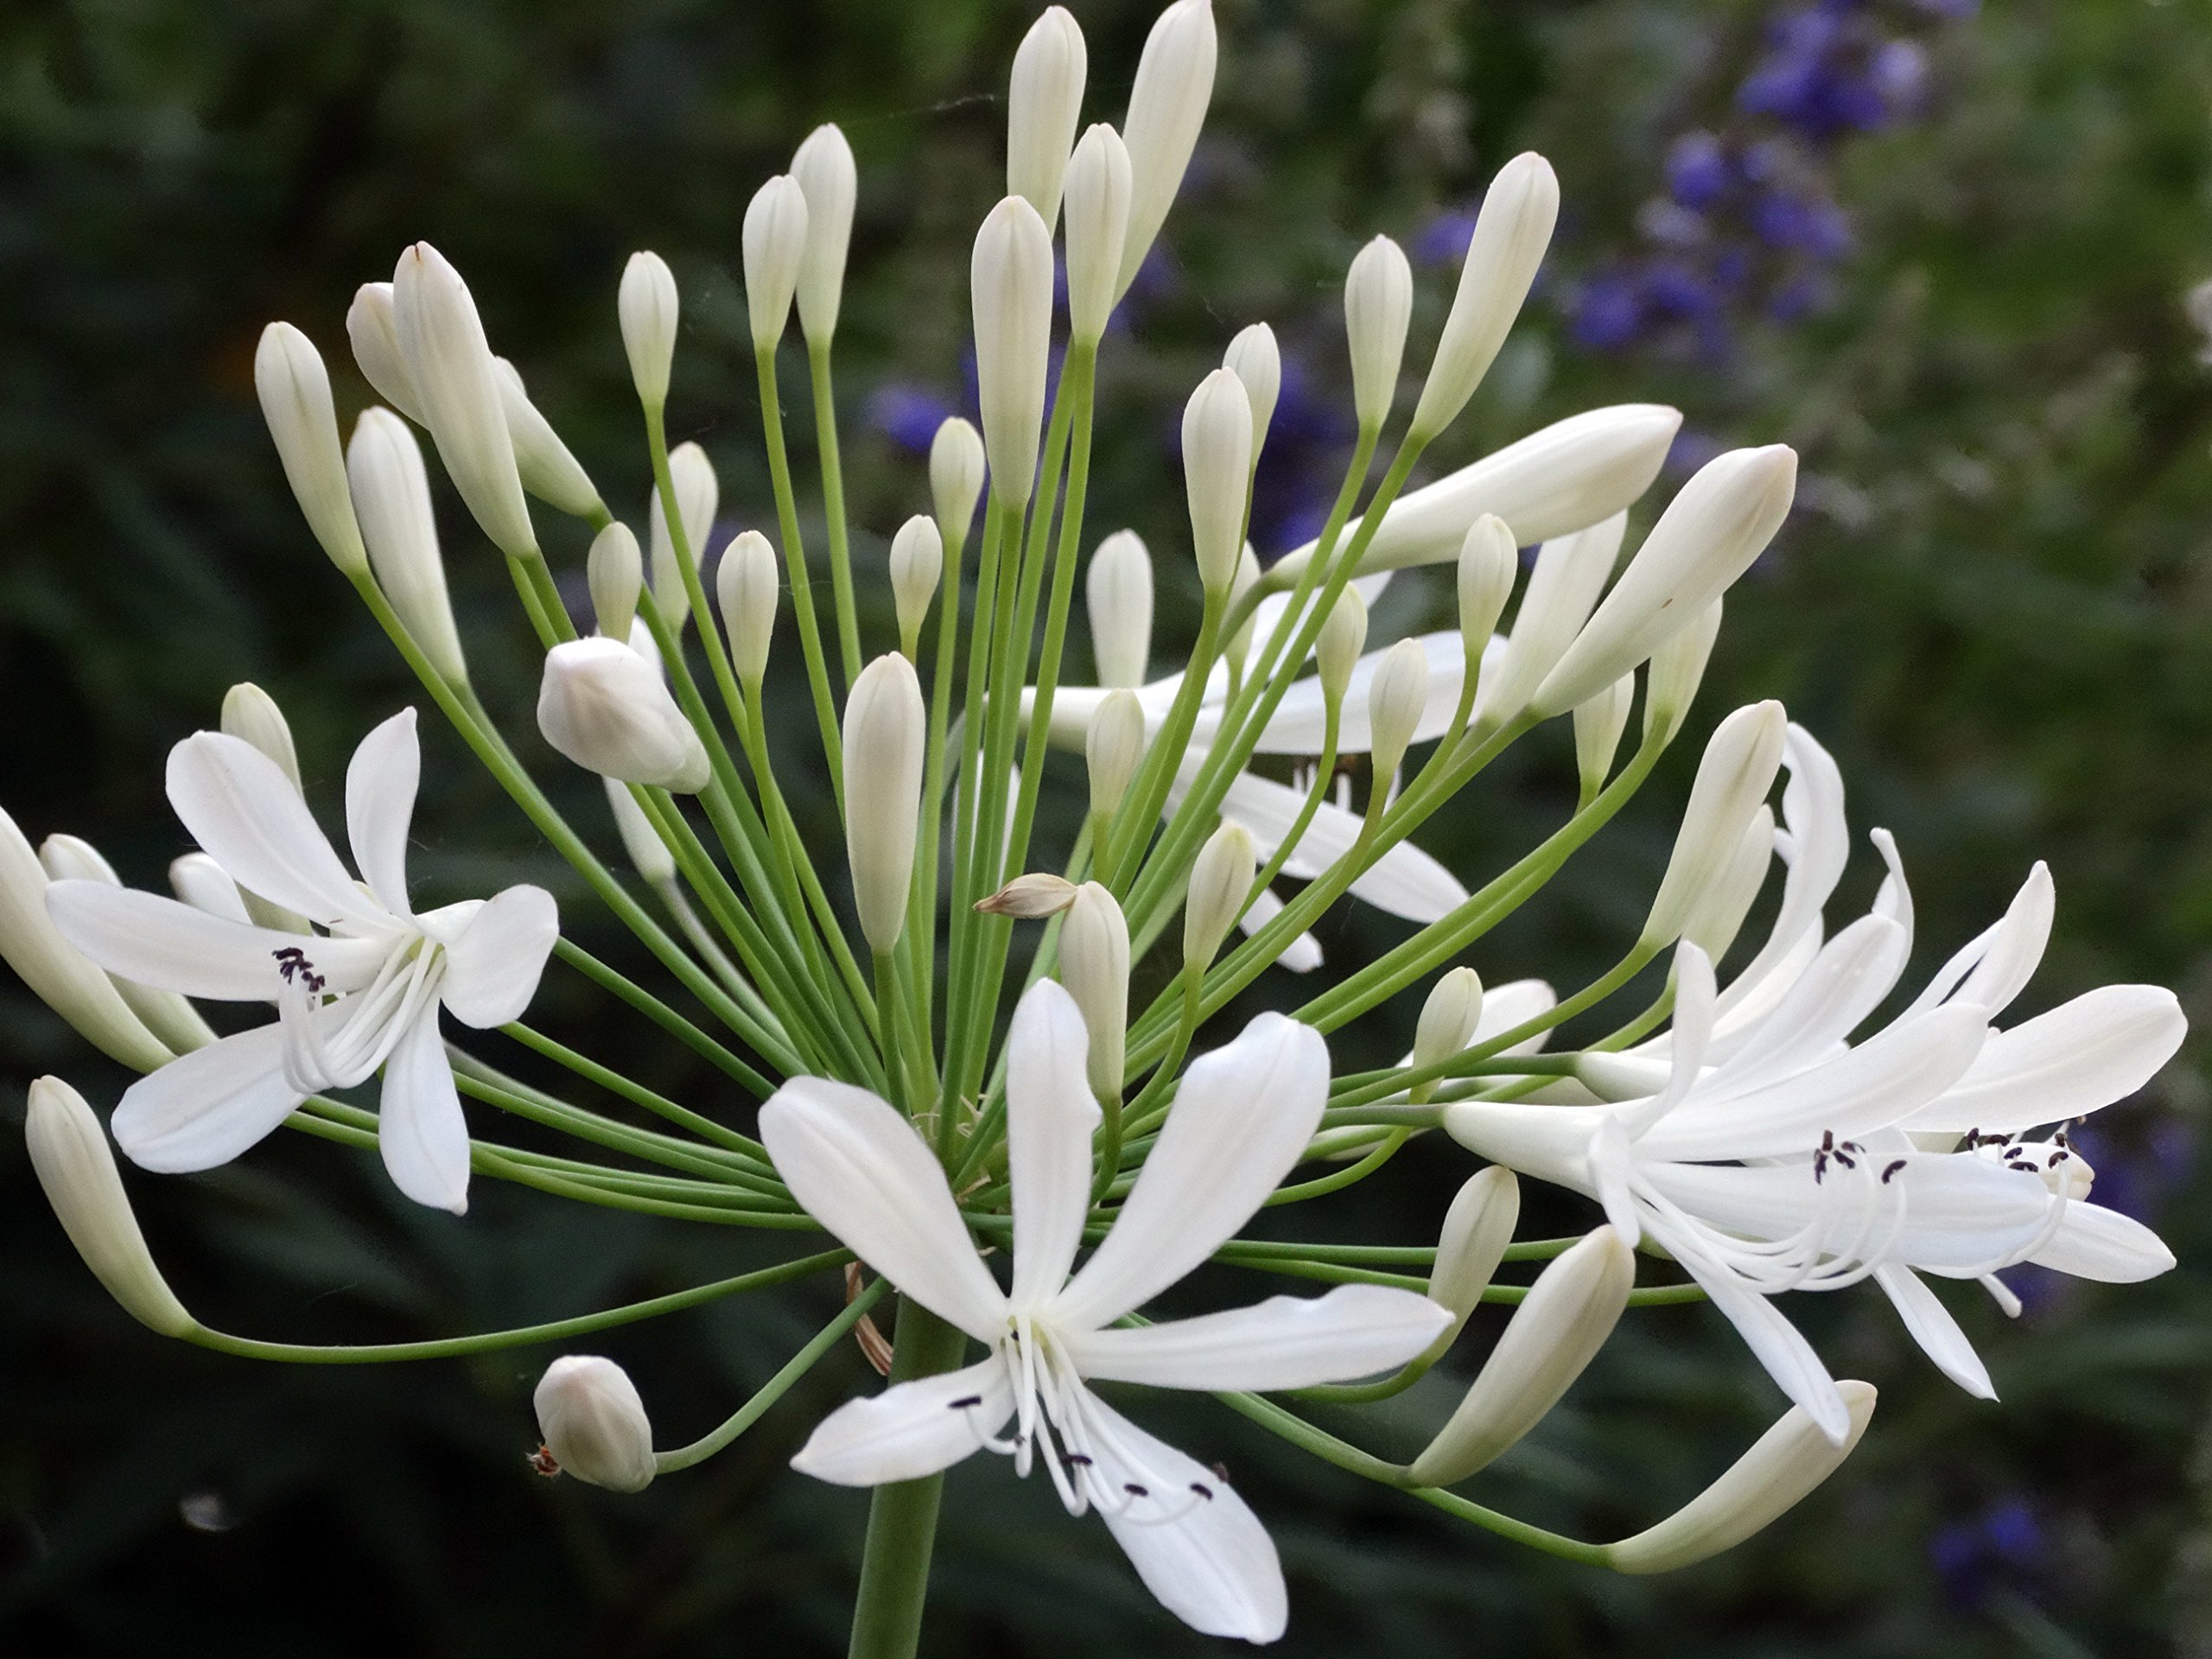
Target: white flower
(1241, 1120)
(364, 993)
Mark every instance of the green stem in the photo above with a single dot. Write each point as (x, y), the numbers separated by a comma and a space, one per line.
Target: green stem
(833, 506)
(902, 1516)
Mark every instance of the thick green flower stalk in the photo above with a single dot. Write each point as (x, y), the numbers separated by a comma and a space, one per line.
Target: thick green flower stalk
(924, 1044)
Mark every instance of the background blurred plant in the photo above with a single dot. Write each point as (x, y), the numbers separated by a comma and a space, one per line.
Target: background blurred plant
(1992, 605)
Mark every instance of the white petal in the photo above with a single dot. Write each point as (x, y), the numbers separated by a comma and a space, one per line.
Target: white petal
(1513, 1004)
(1050, 1117)
(420, 1128)
(911, 1429)
(208, 1107)
(1820, 841)
(2100, 1047)
(1935, 1330)
(1841, 987)
(380, 786)
(1694, 992)
(860, 1169)
(1782, 1348)
(1611, 1165)
(1241, 1117)
(172, 946)
(1406, 881)
(1302, 954)
(245, 812)
(2009, 953)
(1286, 1342)
(1299, 722)
(2095, 1243)
(200, 881)
(492, 968)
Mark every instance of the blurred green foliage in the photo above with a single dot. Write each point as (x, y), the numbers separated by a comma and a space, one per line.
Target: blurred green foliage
(1995, 604)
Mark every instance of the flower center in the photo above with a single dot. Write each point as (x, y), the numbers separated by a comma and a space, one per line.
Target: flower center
(336, 1039)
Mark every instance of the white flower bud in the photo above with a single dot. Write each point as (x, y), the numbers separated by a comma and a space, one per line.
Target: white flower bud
(1342, 638)
(615, 570)
(548, 470)
(170, 1017)
(1030, 898)
(887, 728)
(1044, 101)
(1117, 597)
(1784, 1466)
(647, 305)
(1511, 232)
(1167, 105)
(1246, 578)
(1718, 916)
(775, 244)
(955, 477)
(1396, 700)
(1569, 573)
(1011, 278)
(746, 589)
(1489, 561)
(442, 340)
(374, 333)
(1555, 1333)
(594, 1423)
(1471, 1243)
(1599, 724)
(603, 706)
(392, 495)
(1113, 746)
(200, 881)
(1677, 670)
(251, 716)
(1098, 219)
(827, 178)
(295, 392)
(1707, 537)
(1447, 1024)
(76, 1168)
(1095, 968)
(1221, 881)
(1253, 357)
(698, 493)
(58, 974)
(1379, 309)
(1732, 780)
(917, 563)
(1217, 474)
(649, 854)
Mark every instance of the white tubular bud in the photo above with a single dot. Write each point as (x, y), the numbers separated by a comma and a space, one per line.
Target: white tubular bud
(1098, 220)
(1246, 578)
(747, 588)
(1117, 597)
(1167, 105)
(170, 1017)
(603, 706)
(1732, 780)
(1217, 473)
(698, 493)
(955, 477)
(251, 716)
(1555, 1333)
(616, 572)
(1784, 1466)
(441, 338)
(548, 470)
(1677, 670)
(200, 881)
(1221, 881)
(594, 1423)
(373, 332)
(1511, 232)
(648, 853)
(827, 178)
(392, 495)
(1570, 571)
(1447, 1024)
(1489, 561)
(1113, 746)
(58, 974)
(1030, 898)
(1395, 701)
(76, 1168)
(295, 392)
(1095, 968)
(1379, 309)
(1477, 1228)
(1599, 724)
(1342, 638)
(647, 305)
(1718, 916)
(1253, 357)
(1010, 276)
(887, 728)
(1566, 477)
(917, 564)
(775, 244)
(1044, 101)
(1707, 537)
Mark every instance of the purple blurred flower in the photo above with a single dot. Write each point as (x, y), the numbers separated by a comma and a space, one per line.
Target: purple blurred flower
(2006, 1545)
(1697, 169)
(1443, 240)
(908, 415)
(1608, 312)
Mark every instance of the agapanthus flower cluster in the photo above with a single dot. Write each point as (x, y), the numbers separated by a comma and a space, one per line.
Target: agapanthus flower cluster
(926, 1044)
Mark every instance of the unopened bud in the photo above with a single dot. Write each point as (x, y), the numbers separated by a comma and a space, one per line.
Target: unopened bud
(76, 1166)
(1511, 232)
(1044, 101)
(603, 705)
(1217, 474)
(747, 588)
(1253, 357)
(1113, 746)
(1246, 578)
(1448, 1020)
(616, 572)
(1471, 1243)
(1488, 564)
(955, 477)
(58, 974)
(1343, 637)
(917, 563)
(1677, 670)
(1095, 968)
(1396, 701)
(887, 730)
(1117, 596)
(170, 1017)
(251, 716)
(775, 243)
(1030, 898)
(649, 854)
(1734, 778)
(1569, 573)
(1167, 105)
(1010, 276)
(1378, 307)
(200, 881)
(1718, 916)
(1098, 220)
(548, 470)
(392, 495)
(1599, 724)
(1221, 881)
(295, 392)
(1553, 1334)
(594, 1423)
(373, 332)
(827, 178)
(698, 493)
(647, 305)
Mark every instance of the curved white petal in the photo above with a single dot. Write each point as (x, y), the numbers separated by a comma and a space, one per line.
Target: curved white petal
(859, 1168)
(2081, 1055)
(1406, 881)
(911, 1429)
(380, 786)
(1302, 954)
(1300, 719)
(1286, 1342)
(174, 946)
(1050, 1117)
(245, 812)
(2095, 1243)
(1838, 988)
(1509, 1006)
(1938, 1334)
(1819, 847)
(1241, 1117)
(420, 1128)
(492, 968)
(1693, 1030)
(1780, 1347)
(209, 1106)
(200, 881)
